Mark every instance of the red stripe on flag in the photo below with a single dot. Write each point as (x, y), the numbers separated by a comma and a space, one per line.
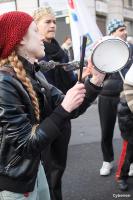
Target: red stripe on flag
(71, 3)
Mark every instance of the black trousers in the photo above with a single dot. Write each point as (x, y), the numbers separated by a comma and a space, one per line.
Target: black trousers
(54, 159)
(127, 161)
(107, 107)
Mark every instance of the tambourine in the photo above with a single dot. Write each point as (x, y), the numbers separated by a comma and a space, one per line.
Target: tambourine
(110, 54)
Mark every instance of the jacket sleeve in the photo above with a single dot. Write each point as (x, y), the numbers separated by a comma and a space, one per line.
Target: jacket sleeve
(125, 119)
(92, 92)
(128, 88)
(57, 96)
(15, 121)
(128, 91)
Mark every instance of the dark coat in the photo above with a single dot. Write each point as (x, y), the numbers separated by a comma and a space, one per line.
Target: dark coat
(58, 77)
(125, 119)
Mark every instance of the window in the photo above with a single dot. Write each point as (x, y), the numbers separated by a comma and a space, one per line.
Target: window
(7, 5)
(129, 25)
(128, 3)
(57, 5)
(103, 0)
(101, 22)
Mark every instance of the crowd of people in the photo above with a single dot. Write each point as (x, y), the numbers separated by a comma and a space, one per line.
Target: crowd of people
(36, 107)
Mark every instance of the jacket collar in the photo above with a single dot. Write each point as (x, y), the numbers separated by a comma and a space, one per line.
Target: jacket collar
(30, 68)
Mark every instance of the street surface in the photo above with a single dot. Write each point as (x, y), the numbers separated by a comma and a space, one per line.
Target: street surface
(81, 180)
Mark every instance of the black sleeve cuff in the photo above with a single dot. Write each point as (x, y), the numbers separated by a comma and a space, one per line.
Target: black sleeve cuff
(92, 90)
(59, 115)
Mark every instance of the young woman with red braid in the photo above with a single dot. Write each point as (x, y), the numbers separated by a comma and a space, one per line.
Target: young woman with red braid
(32, 111)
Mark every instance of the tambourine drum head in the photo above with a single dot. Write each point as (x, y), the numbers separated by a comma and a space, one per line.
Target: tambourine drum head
(110, 55)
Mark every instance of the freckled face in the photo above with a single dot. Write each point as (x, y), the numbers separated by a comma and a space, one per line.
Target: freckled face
(33, 43)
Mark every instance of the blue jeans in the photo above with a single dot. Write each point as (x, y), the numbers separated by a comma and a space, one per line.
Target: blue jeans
(40, 192)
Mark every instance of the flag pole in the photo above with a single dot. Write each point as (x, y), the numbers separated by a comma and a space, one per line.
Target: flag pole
(81, 65)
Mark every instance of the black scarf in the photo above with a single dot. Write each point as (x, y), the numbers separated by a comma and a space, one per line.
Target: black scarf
(43, 96)
(62, 79)
(54, 52)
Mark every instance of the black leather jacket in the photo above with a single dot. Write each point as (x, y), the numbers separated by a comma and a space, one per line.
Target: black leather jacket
(19, 151)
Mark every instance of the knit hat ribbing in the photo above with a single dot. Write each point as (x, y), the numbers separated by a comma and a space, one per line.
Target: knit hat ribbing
(13, 27)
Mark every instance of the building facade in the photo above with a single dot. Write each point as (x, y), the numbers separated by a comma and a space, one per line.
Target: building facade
(101, 10)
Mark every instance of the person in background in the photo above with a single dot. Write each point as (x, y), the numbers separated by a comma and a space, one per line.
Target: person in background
(108, 101)
(125, 118)
(46, 23)
(67, 47)
(32, 112)
(54, 158)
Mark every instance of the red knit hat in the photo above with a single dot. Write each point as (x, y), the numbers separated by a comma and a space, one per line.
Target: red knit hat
(13, 27)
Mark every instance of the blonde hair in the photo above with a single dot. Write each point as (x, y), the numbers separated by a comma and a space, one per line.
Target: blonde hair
(41, 12)
(17, 65)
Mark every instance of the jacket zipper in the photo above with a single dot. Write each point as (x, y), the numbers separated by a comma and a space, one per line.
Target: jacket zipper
(1, 137)
(12, 162)
(2, 130)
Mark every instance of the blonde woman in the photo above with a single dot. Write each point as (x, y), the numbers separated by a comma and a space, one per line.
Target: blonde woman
(29, 120)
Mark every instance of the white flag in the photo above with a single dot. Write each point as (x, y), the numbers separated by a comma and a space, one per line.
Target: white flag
(82, 23)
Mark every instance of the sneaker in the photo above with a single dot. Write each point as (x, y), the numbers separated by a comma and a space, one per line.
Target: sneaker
(123, 186)
(106, 168)
(130, 173)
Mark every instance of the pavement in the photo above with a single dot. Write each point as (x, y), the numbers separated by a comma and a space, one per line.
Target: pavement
(81, 180)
